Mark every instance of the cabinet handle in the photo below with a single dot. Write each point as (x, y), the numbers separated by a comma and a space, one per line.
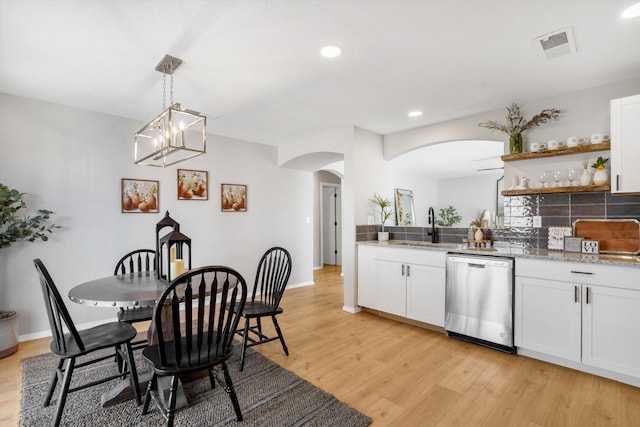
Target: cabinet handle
(581, 272)
(617, 182)
(588, 293)
(408, 270)
(575, 293)
(403, 269)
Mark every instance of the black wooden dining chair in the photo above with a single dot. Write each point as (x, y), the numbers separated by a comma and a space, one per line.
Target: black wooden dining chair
(68, 344)
(140, 260)
(271, 280)
(195, 319)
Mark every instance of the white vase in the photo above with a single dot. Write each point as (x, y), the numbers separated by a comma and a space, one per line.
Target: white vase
(585, 178)
(479, 235)
(600, 177)
(383, 236)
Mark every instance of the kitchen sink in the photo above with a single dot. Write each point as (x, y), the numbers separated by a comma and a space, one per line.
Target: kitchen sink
(425, 244)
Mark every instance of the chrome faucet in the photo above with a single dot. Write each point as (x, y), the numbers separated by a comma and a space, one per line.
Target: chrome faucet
(432, 223)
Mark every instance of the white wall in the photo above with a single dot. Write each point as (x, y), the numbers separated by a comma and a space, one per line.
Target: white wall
(71, 161)
(584, 112)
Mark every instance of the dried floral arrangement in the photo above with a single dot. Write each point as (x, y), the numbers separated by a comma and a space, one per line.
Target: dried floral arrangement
(516, 124)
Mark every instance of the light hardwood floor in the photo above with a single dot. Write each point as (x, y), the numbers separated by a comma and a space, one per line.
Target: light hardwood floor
(403, 375)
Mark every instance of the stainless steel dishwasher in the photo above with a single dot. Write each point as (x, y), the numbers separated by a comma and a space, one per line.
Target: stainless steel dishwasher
(479, 300)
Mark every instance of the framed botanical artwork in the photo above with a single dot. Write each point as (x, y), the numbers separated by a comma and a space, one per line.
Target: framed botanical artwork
(192, 185)
(234, 197)
(140, 196)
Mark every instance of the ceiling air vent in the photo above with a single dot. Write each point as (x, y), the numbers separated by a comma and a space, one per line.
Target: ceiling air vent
(557, 43)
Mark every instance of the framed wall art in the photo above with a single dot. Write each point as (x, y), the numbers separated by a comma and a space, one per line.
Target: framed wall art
(234, 197)
(192, 185)
(140, 196)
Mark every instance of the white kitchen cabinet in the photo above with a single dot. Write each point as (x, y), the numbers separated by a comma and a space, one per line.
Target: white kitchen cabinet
(425, 294)
(610, 321)
(589, 316)
(625, 149)
(548, 317)
(405, 282)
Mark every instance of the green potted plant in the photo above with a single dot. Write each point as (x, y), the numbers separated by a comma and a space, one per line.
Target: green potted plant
(448, 217)
(517, 125)
(600, 176)
(14, 228)
(384, 206)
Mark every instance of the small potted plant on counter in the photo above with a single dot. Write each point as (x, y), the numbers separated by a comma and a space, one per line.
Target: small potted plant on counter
(448, 217)
(384, 205)
(476, 227)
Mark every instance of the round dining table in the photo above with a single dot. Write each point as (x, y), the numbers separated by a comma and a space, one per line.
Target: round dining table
(130, 290)
(123, 290)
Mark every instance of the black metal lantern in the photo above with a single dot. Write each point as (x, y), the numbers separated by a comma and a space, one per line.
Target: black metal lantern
(167, 221)
(173, 248)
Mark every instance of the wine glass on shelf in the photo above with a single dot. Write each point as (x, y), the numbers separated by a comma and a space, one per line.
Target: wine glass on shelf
(544, 178)
(557, 177)
(572, 175)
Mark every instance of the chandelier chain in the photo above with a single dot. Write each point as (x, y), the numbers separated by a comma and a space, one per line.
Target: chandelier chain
(164, 91)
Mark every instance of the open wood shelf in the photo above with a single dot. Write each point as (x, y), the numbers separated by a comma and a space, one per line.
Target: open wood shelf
(552, 190)
(558, 152)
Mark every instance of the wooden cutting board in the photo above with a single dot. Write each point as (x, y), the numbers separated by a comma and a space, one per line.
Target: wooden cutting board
(618, 236)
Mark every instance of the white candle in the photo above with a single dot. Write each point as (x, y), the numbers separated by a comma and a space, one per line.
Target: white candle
(173, 254)
(176, 268)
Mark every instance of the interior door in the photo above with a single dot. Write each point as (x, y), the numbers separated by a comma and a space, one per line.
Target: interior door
(331, 225)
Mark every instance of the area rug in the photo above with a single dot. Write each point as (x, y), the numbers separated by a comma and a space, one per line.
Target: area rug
(269, 395)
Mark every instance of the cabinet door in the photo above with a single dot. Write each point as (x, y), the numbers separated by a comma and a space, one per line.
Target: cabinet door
(625, 150)
(548, 317)
(611, 318)
(392, 291)
(425, 294)
(367, 280)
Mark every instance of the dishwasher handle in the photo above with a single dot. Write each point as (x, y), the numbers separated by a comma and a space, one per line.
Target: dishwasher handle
(474, 265)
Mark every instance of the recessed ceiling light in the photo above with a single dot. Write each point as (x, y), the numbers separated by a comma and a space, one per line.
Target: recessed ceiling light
(632, 11)
(415, 113)
(331, 51)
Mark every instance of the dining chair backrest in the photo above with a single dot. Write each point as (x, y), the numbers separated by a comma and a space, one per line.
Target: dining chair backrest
(272, 276)
(198, 312)
(138, 260)
(59, 317)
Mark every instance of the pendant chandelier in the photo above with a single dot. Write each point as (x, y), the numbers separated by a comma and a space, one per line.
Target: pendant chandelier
(176, 134)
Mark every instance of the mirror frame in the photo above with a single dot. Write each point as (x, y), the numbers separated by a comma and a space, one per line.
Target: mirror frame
(402, 206)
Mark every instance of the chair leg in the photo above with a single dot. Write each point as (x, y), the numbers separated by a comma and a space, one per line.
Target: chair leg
(147, 397)
(173, 391)
(133, 372)
(212, 379)
(244, 343)
(284, 346)
(53, 383)
(230, 390)
(66, 381)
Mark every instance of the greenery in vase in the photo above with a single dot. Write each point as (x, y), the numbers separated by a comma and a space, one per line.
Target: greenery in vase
(384, 204)
(14, 228)
(448, 217)
(600, 163)
(516, 124)
(478, 221)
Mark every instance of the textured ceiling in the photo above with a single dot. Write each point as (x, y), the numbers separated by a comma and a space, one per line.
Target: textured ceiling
(255, 65)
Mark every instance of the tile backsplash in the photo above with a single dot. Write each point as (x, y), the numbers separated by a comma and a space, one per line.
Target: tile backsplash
(518, 231)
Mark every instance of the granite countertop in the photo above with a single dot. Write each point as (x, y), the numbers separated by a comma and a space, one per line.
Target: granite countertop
(610, 259)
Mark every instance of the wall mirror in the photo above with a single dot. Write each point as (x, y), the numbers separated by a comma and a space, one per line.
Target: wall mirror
(405, 212)
(460, 173)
